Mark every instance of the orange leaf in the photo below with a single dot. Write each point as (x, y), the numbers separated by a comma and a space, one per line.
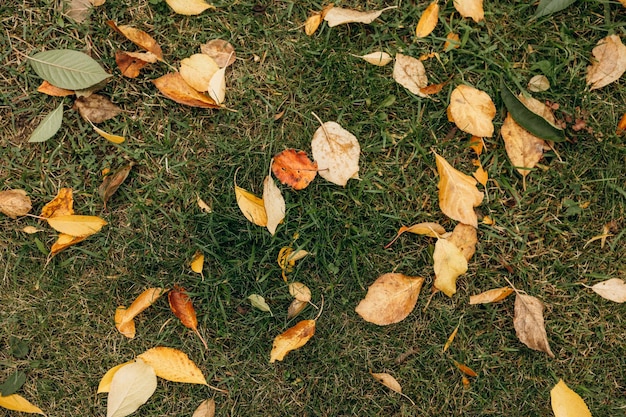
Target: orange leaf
(465, 369)
(453, 41)
(433, 88)
(390, 299)
(52, 90)
(312, 23)
(182, 307)
(125, 316)
(477, 144)
(139, 38)
(491, 296)
(131, 63)
(621, 126)
(481, 175)
(61, 205)
(294, 168)
(174, 87)
(293, 338)
(428, 21)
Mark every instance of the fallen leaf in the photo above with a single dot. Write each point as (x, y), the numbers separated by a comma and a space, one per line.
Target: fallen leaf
(300, 292)
(182, 307)
(428, 21)
(14, 203)
(69, 69)
(259, 302)
(433, 88)
(449, 264)
(12, 383)
(470, 8)
(410, 73)
(465, 369)
(16, 402)
(105, 382)
(139, 38)
(390, 299)
(481, 175)
(174, 87)
(609, 64)
(78, 10)
(427, 229)
(336, 152)
(293, 338)
(621, 125)
(112, 182)
(51, 90)
(613, 289)
(448, 343)
(251, 206)
(189, 7)
(294, 168)
(472, 110)
(380, 59)
(477, 144)
(108, 136)
(61, 205)
(458, 194)
(48, 127)
(312, 23)
(131, 63)
(96, 108)
(205, 409)
(197, 71)
(64, 241)
(388, 381)
(197, 262)
(538, 83)
(491, 296)
(529, 325)
(75, 225)
(339, 16)
(131, 386)
(222, 52)
(203, 206)
(217, 86)
(31, 230)
(124, 317)
(453, 41)
(296, 307)
(547, 7)
(173, 365)
(566, 403)
(465, 238)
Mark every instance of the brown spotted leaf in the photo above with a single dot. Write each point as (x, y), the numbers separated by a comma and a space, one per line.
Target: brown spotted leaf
(61, 205)
(96, 108)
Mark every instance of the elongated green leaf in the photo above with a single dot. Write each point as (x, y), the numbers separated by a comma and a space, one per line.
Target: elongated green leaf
(48, 126)
(68, 69)
(529, 120)
(13, 383)
(547, 7)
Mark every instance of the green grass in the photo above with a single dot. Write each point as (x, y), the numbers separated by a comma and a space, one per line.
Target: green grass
(64, 308)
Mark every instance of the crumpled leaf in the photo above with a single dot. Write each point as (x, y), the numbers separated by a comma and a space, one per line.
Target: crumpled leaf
(428, 21)
(124, 317)
(491, 296)
(51, 90)
(222, 52)
(567, 403)
(76, 225)
(48, 127)
(529, 324)
(105, 382)
(472, 110)
(470, 8)
(259, 302)
(426, 228)
(197, 71)
(336, 152)
(174, 87)
(112, 182)
(380, 59)
(131, 63)
(96, 108)
(294, 168)
(182, 307)
(14, 203)
(449, 264)
(274, 204)
(390, 299)
(410, 73)
(613, 289)
(173, 365)
(465, 238)
(139, 38)
(287, 259)
(458, 194)
(189, 7)
(339, 16)
(131, 386)
(78, 10)
(205, 409)
(16, 402)
(610, 62)
(252, 207)
(197, 262)
(293, 338)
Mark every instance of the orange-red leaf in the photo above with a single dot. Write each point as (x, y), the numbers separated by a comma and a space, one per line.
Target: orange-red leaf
(138, 37)
(53, 90)
(621, 126)
(294, 168)
(174, 87)
(293, 338)
(182, 307)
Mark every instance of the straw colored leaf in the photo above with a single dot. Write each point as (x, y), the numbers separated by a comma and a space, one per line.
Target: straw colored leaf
(613, 289)
(131, 63)
(174, 87)
(529, 324)
(566, 402)
(14, 203)
(410, 73)
(380, 59)
(197, 71)
(426, 229)
(296, 307)
(292, 339)
(428, 21)
(131, 386)
(173, 365)
(470, 8)
(205, 409)
(300, 292)
(390, 299)
(96, 108)
(217, 86)
(112, 182)
(449, 264)
(336, 152)
(339, 16)
(78, 10)
(251, 206)
(51, 90)
(294, 168)
(472, 110)
(182, 307)
(189, 7)
(312, 23)
(105, 382)
(388, 381)
(197, 262)
(458, 194)
(222, 52)
(259, 302)
(491, 296)
(609, 64)
(203, 205)
(61, 205)
(16, 402)
(538, 83)
(31, 230)
(139, 38)
(75, 225)
(465, 238)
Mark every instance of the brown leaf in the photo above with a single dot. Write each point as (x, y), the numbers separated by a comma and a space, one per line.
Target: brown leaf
(198, 70)
(472, 110)
(428, 21)
(222, 52)
(465, 238)
(131, 63)
(610, 62)
(78, 10)
(294, 168)
(174, 87)
(112, 182)
(205, 409)
(61, 205)
(338, 16)
(410, 73)
(182, 307)
(470, 8)
(51, 90)
(390, 299)
(139, 38)
(96, 108)
(293, 338)
(491, 296)
(433, 88)
(14, 203)
(529, 325)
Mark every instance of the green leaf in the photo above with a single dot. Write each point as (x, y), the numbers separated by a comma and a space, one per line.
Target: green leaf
(19, 348)
(528, 119)
(13, 383)
(65, 68)
(48, 126)
(547, 7)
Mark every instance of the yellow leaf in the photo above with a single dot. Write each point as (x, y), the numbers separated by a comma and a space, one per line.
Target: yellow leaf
(312, 23)
(390, 299)
(105, 382)
(529, 325)
(472, 111)
(609, 64)
(449, 263)
(274, 204)
(458, 194)
(566, 403)
(16, 402)
(491, 296)
(189, 7)
(197, 262)
(336, 152)
(61, 205)
(300, 292)
(453, 41)
(125, 326)
(451, 338)
(338, 16)
(293, 338)
(174, 87)
(251, 206)
(428, 21)
(197, 71)
(124, 317)
(132, 385)
(380, 59)
(203, 206)
(410, 73)
(173, 365)
(426, 228)
(465, 238)
(108, 136)
(388, 381)
(75, 225)
(217, 86)
(470, 8)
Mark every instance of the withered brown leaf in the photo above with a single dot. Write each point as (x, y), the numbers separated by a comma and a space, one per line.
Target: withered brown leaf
(96, 108)
(529, 325)
(14, 203)
(112, 182)
(182, 307)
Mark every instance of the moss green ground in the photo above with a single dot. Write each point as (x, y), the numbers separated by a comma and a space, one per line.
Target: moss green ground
(64, 308)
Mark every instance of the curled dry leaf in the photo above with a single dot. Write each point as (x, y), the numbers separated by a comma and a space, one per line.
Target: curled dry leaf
(567, 403)
(472, 110)
(189, 7)
(491, 296)
(251, 206)
(293, 338)
(287, 259)
(296, 307)
(131, 386)
(31, 230)
(465, 238)
(529, 325)
(203, 205)
(449, 263)
(339, 16)
(428, 21)
(173, 365)
(174, 87)
(51, 90)
(294, 168)
(131, 63)
(336, 152)
(197, 262)
(182, 307)
(65, 241)
(139, 38)
(205, 409)
(610, 62)
(197, 71)
(14, 203)
(380, 59)
(96, 108)
(470, 8)
(112, 182)
(410, 73)
(390, 299)
(16, 402)
(222, 52)
(613, 289)
(300, 292)
(427, 229)
(274, 204)
(124, 317)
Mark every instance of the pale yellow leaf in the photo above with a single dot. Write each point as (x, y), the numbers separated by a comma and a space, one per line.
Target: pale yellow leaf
(472, 110)
(75, 225)
(380, 59)
(203, 206)
(197, 262)
(449, 264)
(105, 382)
(529, 324)
(274, 204)
(31, 229)
(295, 308)
(566, 403)
(258, 301)
(300, 292)
(189, 7)
(16, 402)
(336, 152)
(470, 8)
(538, 83)
(173, 365)
(293, 338)
(613, 289)
(198, 70)
(14, 203)
(132, 385)
(108, 136)
(217, 86)
(205, 409)
(451, 338)
(428, 21)
(338, 16)
(312, 23)
(251, 206)
(609, 64)
(410, 73)
(388, 381)
(491, 296)
(78, 10)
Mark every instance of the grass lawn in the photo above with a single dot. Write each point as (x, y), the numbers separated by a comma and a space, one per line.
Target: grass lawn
(64, 308)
